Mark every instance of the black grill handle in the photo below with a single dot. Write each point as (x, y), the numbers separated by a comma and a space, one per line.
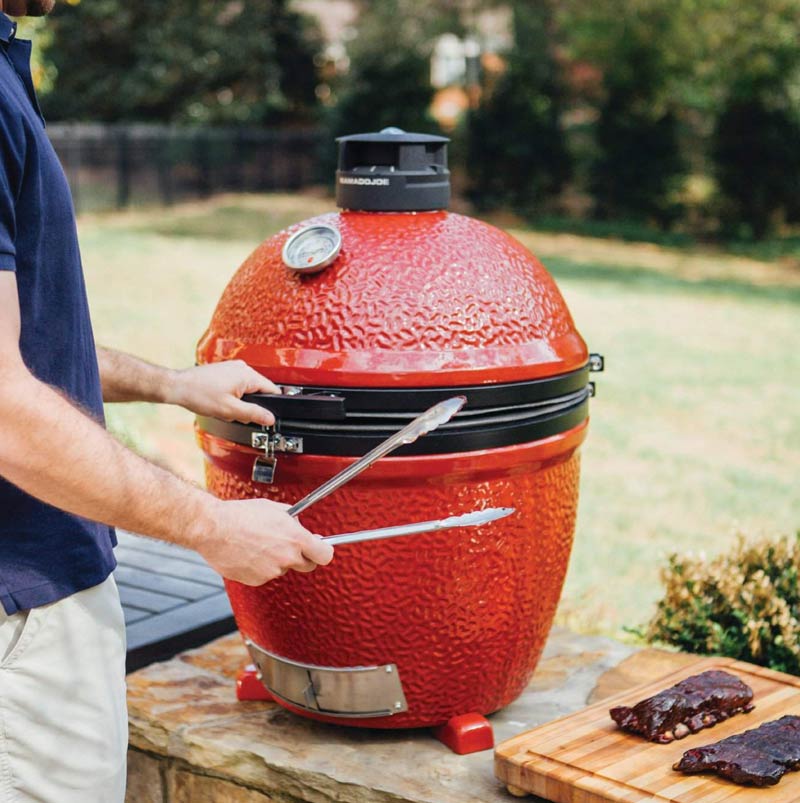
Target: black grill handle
(308, 407)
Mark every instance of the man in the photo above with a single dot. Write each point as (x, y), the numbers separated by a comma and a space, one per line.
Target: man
(64, 480)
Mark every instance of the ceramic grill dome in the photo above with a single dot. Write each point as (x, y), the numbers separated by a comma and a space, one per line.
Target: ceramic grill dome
(414, 305)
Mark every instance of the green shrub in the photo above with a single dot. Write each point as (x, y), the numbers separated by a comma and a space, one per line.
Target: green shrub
(745, 604)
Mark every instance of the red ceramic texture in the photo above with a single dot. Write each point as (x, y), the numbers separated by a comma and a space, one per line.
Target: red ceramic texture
(414, 300)
(419, 299)
(464, 613)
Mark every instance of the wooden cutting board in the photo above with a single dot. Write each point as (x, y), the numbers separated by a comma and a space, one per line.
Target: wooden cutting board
(586, 758)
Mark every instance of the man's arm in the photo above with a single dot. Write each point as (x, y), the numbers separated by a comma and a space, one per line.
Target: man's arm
(214, 390)
(57, 453)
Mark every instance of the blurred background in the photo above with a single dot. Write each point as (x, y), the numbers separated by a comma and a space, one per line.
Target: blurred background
(648, 151)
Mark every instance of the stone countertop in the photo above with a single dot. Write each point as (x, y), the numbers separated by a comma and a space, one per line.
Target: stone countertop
(193, 742)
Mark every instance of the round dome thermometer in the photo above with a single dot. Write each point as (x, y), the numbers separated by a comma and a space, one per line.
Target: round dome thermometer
(312, 249)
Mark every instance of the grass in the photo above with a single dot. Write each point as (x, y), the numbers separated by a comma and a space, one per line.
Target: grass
(695, 428)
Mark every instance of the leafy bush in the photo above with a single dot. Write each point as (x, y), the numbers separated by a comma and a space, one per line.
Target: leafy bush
(745, 604)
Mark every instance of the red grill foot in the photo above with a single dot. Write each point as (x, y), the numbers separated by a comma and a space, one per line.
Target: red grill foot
(249, 687)
(466, 733)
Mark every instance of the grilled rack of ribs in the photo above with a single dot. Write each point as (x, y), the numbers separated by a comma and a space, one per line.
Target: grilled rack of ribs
(758, 757)
(698, 702)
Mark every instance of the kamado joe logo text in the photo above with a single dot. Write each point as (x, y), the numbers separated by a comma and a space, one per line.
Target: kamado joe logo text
(364, 182)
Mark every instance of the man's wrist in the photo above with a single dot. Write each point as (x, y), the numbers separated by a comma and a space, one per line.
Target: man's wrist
(198, 529)
(171, 386)
(126, 378)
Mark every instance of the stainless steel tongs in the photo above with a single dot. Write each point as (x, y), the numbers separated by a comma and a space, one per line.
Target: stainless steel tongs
(423, 424)
(473, 519)
(439, 414)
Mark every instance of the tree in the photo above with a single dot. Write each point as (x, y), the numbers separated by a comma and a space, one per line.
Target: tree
(384, 89)
(638, 46)
(755, 145)
(516, 151)
(756, 153)
(387, 84)
(183, 61)
(638, 163)
(721, 75)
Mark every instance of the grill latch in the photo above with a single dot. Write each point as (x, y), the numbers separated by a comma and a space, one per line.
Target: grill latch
(271, 442)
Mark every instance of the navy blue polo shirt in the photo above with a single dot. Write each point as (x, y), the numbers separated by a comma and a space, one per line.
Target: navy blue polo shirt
(45, 553)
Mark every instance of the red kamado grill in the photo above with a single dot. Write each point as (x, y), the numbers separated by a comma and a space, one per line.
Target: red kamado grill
(367, 317)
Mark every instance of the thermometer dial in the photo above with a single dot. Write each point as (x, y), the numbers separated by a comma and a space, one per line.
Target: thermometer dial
(312, 249)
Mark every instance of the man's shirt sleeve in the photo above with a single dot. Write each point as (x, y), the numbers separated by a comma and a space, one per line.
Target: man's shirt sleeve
(12, 159)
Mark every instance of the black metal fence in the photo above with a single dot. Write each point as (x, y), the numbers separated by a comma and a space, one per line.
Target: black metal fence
(115, 166)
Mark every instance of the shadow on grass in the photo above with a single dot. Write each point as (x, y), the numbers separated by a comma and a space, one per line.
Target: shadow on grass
(225, 223)
(766, 250)
(772, 248)
(645, 278)
(625, 230)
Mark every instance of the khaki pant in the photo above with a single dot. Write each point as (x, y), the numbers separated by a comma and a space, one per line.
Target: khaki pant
(63, 714)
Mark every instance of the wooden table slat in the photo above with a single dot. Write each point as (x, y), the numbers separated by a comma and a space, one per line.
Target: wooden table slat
(134, 615)
(161, 636)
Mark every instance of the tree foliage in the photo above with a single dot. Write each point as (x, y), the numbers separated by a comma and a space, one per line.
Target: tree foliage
(388, 81)
(384, 85)
(707, 87)
(755, 144)
(384, 89)
(516, 150)
(183, 61)
(637, 166)
(756, 154)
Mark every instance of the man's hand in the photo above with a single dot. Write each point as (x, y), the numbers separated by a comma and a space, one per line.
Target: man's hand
(255, 540)
(216, 390)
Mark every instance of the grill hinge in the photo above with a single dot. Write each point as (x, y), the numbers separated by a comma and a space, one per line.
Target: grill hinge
(597, 362)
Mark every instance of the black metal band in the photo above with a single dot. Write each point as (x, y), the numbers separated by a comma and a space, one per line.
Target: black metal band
(332, 404)
(468, 431)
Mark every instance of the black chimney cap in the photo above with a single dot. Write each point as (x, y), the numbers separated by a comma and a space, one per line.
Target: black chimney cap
(393, 171)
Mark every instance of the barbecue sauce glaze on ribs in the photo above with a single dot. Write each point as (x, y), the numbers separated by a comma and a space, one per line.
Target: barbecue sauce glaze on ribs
(758, 757)
(698, 702)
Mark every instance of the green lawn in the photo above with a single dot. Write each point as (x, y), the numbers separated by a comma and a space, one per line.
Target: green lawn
(695, 430)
